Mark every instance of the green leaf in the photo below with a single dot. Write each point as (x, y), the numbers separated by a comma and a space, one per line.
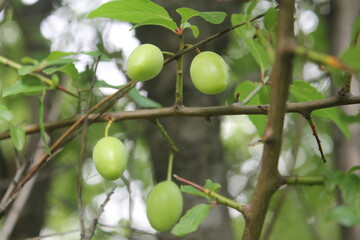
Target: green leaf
(270, 19)
(354, 169)
(250, 6)
(302, 91)
(26, 69)
(346, 215)
(211, 17)
(194, 29)
(135, 11)
(69, 69)
(191, 221)
(351, 58)
(41, 122)
(59, 54)
(142, 101)
(18, 137)
(350, 188)
(5, 113)
(215, 187)
(28, 85)
(193, 191)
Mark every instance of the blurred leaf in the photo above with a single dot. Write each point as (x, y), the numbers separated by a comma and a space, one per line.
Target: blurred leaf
(26, 69)
(351, 58)
(245, 88)
(191, 221)
(302, 91)
(211, 17)
(69, 69)
(26, 85)
(350, 188)
(135, 11)
(247, 32)
(354, 169)
(41, 122)
(18, 137)
(5, 113)
(142, 101)
(346, 215)
(270, 19)
(58, 54)
(249, 7)
(29, 60)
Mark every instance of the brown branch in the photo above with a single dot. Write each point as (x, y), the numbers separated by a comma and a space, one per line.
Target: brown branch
(312, 125)
(234, 109)
(269, 178)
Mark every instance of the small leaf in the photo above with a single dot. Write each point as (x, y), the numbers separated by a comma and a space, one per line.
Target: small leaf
(351, 58)
(354, 169)
(142, 101)
(18, 137)
(28, 85)
(193, 191)
(191, 221)
(41, 123)
(215, 187)
(135, 11)
(211, 17)
(5, 113)
(194, 29)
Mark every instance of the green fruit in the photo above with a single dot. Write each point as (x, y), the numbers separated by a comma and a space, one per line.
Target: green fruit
(164, 205)
(209, 73)
(110, 158)
(145, 62)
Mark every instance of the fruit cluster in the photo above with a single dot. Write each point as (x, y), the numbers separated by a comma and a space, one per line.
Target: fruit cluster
(208, 70)
(209, 74)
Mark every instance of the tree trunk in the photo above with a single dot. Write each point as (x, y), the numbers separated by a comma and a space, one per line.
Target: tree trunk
(201, 154)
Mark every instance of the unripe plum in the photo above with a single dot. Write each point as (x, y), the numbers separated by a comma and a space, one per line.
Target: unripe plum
(110, 157)
(164, 205)
(145, 62)
(209, 73)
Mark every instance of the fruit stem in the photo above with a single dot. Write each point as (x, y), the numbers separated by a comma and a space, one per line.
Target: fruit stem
(107, 127)
(170, 166)
(179, 75)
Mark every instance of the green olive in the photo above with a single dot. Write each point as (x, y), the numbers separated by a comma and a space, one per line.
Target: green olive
(110, 157)
(164, 206)
(209, 73)
(145, 62)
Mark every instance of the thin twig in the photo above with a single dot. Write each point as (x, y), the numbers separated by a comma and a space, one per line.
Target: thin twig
(95, 221)
(171, 143)
(217, 197)
(311, 123)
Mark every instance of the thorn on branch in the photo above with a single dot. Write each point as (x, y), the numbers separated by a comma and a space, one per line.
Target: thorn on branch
(315, 134)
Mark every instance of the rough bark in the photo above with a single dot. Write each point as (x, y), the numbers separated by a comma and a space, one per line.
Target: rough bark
(201, 155)
(269, 178)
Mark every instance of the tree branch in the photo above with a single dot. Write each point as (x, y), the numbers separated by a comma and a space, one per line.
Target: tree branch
(233, 109)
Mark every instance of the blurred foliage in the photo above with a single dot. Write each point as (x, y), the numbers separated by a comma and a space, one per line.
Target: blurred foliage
(311, 211)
